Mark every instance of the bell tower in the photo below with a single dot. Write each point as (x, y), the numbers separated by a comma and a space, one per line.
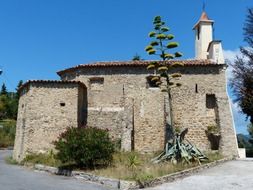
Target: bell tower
(203, 36)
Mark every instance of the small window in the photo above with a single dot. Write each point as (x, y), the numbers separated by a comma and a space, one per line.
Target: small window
(96, 83)
(210, 101)
(196, 88)
(62, 104)
(152, 83)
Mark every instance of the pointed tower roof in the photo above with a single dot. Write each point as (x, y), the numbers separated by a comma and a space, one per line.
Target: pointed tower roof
(203, 18)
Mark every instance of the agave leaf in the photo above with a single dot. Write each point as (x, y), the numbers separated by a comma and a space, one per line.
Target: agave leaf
(163, 68)
(175, 75)
(154, 43)
(178, 54)
(157, 27)
(156, 78)
(161, 36)
(158, 83)
(157, 19)
(170, 36)
(151, 66)
(176, 64)
(148, 48)
(151, 52)
(151, 34)
(153, 63)
(168, 56)
(165, 29)
(172, 45)
(179, 151)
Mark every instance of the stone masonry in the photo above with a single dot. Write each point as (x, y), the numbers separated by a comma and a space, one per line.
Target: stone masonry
(46, 109)
(119, 96)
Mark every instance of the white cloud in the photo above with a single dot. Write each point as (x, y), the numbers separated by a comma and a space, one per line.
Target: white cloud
(235, 107)
(230, 56)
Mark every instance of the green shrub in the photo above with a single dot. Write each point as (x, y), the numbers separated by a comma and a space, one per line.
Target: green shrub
(85, 147)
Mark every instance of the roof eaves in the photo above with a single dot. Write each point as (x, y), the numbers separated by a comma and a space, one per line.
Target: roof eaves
(191, 62)
(50, 82)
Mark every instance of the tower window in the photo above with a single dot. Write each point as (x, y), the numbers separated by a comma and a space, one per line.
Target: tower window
(198, 32)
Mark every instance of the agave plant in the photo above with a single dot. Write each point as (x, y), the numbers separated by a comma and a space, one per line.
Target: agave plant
(160, 45)
(180, 150)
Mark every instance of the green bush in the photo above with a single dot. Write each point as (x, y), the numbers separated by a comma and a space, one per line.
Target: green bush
(85, 147)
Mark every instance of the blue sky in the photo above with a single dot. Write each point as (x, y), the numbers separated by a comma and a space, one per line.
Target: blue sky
(39, 37)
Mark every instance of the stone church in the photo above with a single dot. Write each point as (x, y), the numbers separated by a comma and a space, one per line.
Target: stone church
(119, 96)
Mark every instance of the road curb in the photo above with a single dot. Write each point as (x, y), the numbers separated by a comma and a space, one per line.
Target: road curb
(8, 148)
(108, 182)
(182, 174)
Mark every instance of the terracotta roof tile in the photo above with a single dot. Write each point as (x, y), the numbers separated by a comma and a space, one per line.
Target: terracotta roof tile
(191, 62)
(203, 18)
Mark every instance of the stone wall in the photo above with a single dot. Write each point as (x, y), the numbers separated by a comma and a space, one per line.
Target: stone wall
(190, 109)
(108, 86)
(120, 100)
(107, 107)
(45, 111)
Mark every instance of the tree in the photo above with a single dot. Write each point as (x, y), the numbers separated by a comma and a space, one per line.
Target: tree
(136, 57)
(250, 130)
(3, 90)
(160, 45)
(4, 106)
(242, 81)
(20, 83)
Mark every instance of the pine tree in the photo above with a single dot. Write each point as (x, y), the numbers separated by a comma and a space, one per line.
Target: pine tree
(136, 57)
(20, 83)
(242, 81)
(3, 90)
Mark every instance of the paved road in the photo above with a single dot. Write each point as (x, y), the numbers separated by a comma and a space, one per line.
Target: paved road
(233, 175)
(19, 178)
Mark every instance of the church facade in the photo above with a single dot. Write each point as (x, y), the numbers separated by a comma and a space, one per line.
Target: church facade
(119, 96)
